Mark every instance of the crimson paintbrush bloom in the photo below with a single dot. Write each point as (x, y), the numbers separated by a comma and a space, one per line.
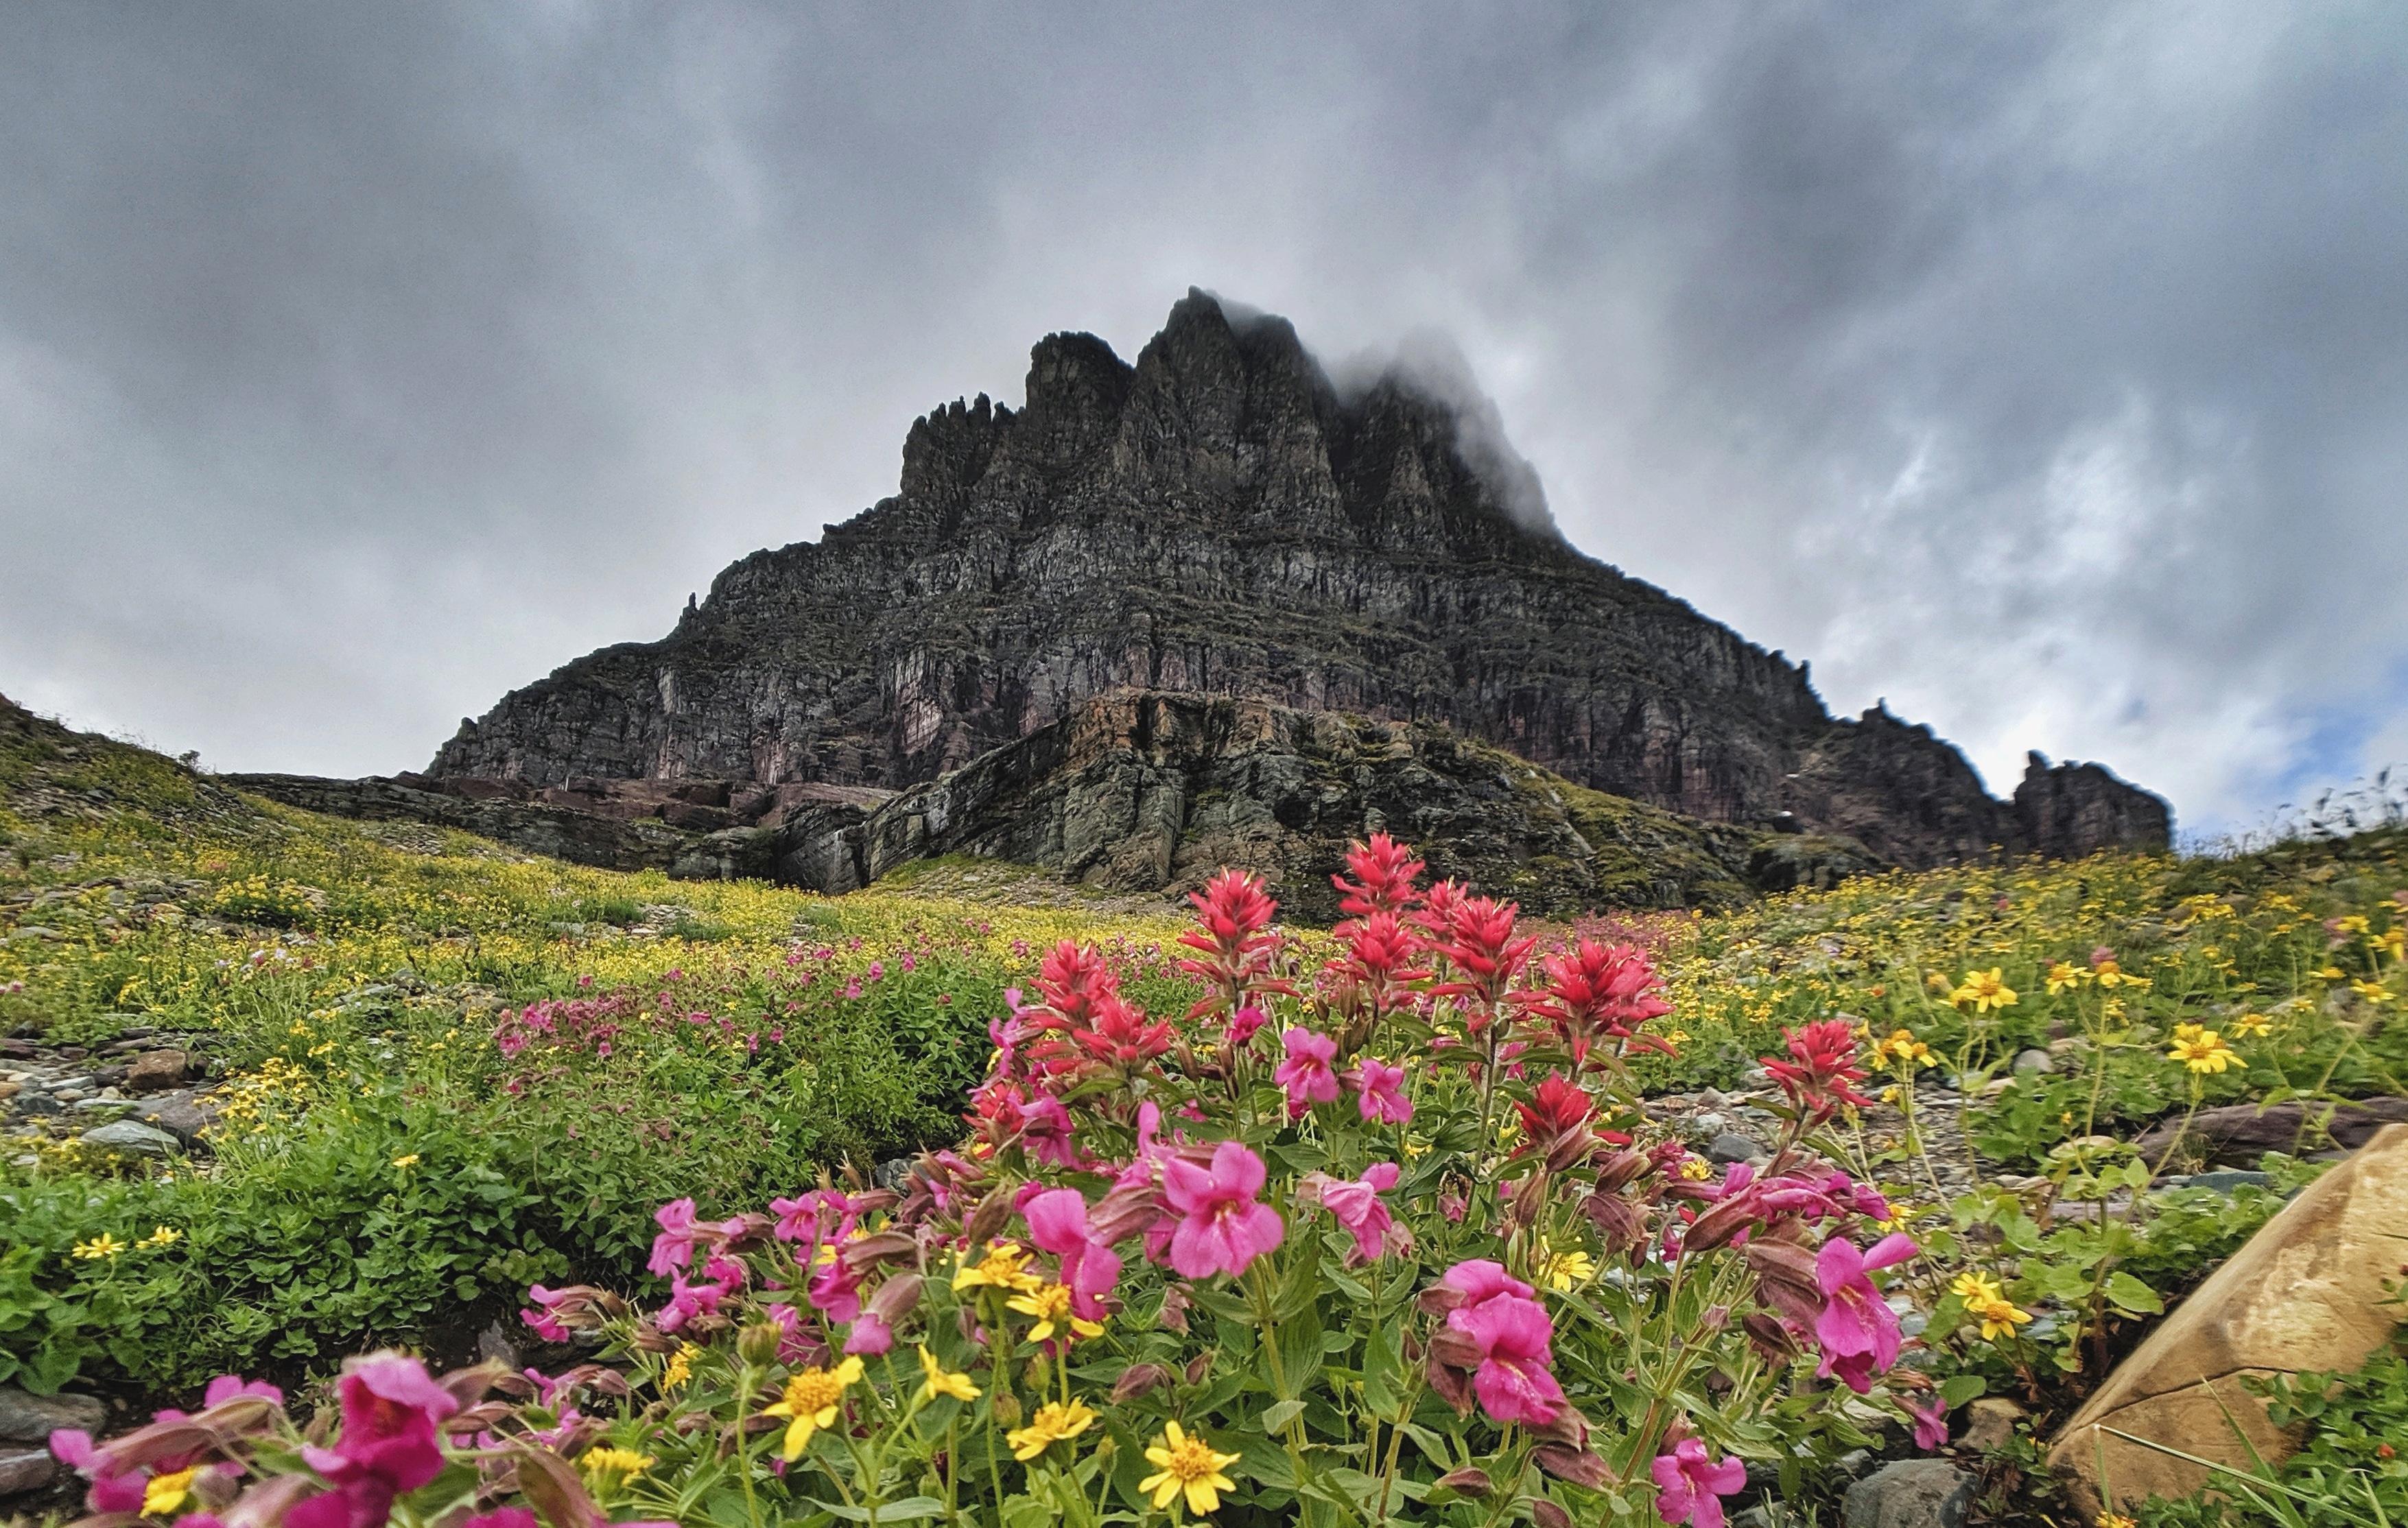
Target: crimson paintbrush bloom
(1384, 871)
(1825, 1064)
(1595, 993)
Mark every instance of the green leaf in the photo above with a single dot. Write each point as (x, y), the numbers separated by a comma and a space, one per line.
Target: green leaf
(1958, 1389)
(2128, 1293)
(1278, 1416)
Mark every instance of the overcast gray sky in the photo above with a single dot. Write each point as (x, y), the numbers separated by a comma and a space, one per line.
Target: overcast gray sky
(2042, 368)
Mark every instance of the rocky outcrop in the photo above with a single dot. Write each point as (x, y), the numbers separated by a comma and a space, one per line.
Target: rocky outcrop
(1149, 790)
(1217, 518)
(2306, 1293)
(2065, 811)
(565, 832)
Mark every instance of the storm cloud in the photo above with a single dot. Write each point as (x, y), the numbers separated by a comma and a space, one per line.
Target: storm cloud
(2043, 369)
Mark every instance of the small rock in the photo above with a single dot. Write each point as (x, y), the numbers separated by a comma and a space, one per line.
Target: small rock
(32, 1418)
(132, 1136)
(1990, 1423)
(1996, 1086)
(38, 1103)
(1910, 1494)
(157, 1071)
(2035, 1060)
(17, 1050)
(890, 1173)
(1731, 1146)
(28, 1470)
(97, 1106)
(1710, 1125)
(183, 1119)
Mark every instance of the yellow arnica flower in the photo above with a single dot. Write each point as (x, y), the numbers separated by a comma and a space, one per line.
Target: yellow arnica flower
(2371, 991)
(164, 1494)
(406, 1161)
(626, 1463)
(105, 1245)
(1900, 1045)
(2252, 1023)
(1999, 1318)
(1976, 1289)
(958, 1385)
(679, 1369)
(811, 1403)
(2064, 976)
(1566, 1270)
(2113, 1519)
(1696, 1169)
(1051, 1304)
(164, 1236)
(2391, 942)
(1055, 1422)
(1187, 1466)
(2202, 1050)
(1003, 1268)
(1985, 991)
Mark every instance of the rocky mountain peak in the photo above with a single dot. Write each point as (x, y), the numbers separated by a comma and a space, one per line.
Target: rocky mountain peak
(1219, 518)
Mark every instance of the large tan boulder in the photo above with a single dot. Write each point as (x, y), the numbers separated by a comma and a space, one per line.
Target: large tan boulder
(2305, 1292)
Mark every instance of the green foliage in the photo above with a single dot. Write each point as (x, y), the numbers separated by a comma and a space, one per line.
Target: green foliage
(2352, 1464)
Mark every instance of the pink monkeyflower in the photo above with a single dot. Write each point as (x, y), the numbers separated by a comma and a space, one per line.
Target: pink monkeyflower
(1381, 1091)
(1515, 1378)
(870, 1335)
(1355, 1205)
(687, 1301)
(1690, 1487)
(1047, 1132)
(113, 1490)
(1057, 1223)
(1857, 1329)
(225, 1387)
(1220, 1228)
(546, 1324)
(1476, 1280)
(1244, 1022)
(392, 1407)
(673, 1249)
(1931, 1422)
(1307, 1073)
(835, 1291)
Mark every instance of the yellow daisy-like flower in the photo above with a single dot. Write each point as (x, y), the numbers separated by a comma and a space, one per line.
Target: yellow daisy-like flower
(1976, 1289)
(2392, 942)
(406, 1161)
(103, 1246)
(164, 1494)
(2202, 1050)
(1984, 991)
(2329, 973)
(1054, 1422)
(2371, 991)
(1696, 1169)
(626, 1463)
(811, 1403)
(2113, 1519)
(1051, 1304)
(2064, 976)
(1565, 1270)
(680, 1368)
(164, 1236)
(958, 1385)
(1190, 1466)
(1900, 1045)
(1004, 1266)
(2252, 1023)
(2353, 923)
(1999, 1318)
(1939, 984)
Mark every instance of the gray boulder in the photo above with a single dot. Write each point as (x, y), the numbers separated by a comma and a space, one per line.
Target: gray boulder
(1910, 1494)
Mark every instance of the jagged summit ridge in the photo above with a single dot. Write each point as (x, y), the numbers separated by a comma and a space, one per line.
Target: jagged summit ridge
(1217, 517)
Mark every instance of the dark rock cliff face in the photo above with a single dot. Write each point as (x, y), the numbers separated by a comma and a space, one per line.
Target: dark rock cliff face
(1217, 519)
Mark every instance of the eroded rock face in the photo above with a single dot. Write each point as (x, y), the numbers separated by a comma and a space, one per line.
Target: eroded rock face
(1144, 791)
(1217, 519)
(2304, 1294)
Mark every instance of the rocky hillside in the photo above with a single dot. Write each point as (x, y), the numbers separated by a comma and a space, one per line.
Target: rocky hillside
(1143, 791)
(1218, 518)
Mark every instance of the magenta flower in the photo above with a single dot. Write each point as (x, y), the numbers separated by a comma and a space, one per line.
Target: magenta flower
(1057, 1223)
(1857, 1329)
(112, 1488)
(1244, 1022)
(1355, 1203)
(1516, 1377)
(1931, 1422)
(1381, 1091)
(1307, 1073)
(1048, 1133)
(687, 1301)
(391, 1410)
(1478, 1279)
(546, 1324)
(225, 1387)
(1220, 1228)
(870, 1335)
(1690, 1488)
(673, 1249)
